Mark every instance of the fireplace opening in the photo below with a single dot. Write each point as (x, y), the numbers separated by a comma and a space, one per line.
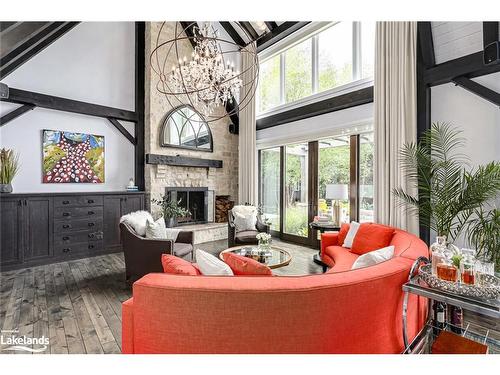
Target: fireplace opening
(195, 200)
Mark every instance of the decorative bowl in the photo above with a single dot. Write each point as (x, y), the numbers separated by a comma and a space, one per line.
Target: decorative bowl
(487, 287)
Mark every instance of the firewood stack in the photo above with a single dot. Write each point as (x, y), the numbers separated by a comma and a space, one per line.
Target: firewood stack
(222, 205)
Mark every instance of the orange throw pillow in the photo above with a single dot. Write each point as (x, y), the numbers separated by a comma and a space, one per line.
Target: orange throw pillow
(344, 229)
(371, 237)
(178, 266)
(241, 265)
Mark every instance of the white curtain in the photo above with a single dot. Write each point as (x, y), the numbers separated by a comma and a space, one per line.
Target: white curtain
(395, 102)
(247, 147)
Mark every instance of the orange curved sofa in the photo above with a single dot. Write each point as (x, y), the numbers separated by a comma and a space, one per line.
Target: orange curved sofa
(358, 311)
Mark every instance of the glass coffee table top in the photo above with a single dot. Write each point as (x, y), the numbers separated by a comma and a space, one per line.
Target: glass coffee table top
(276, 259)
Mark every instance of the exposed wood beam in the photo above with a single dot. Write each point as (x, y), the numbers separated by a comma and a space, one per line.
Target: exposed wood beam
(471, 66)
(30, 42)
(4, 26)
(15, 113)
(278, 34)
(67, 105)
(188, 29)
(426, 44)
(122, 130)
(247, 26)
(490, 33)
(271, 25)
(182, 161)
(140, 71)
(13, 65)
(233, 33)
(478, 89)
(336, 103)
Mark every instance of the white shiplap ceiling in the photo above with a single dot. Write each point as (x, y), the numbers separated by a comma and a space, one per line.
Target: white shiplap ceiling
(456, 39)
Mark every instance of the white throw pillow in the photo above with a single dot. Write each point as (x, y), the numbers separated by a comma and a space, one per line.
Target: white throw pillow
(244, 218)
(137, 220)
(374, 257)
(156, 229)
(349, 238)
(210, 265)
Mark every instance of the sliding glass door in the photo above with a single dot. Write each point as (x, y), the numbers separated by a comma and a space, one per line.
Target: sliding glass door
(331, 177)
(296, 199)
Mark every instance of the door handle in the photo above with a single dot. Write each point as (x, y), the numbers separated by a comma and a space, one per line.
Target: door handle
(66, 238)
(65, 202)
(91, 212)
(66, 250)
(65, 226)
(65, 214)
(91, 224)
(90, 201)
(91, 246)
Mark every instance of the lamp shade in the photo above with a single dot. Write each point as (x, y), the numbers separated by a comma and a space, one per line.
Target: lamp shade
(336, 191)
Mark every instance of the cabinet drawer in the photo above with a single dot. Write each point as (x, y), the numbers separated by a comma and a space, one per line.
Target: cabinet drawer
(77, 212)
(76, 237)
(65, 226)
(78, 248)
(78, 200)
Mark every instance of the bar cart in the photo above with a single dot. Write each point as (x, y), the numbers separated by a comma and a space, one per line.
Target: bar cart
(481, 322)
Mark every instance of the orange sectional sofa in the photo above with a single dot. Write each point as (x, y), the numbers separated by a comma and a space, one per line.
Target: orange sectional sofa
(342, 311)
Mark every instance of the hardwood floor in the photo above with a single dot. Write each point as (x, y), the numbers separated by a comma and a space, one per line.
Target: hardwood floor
(77, 304)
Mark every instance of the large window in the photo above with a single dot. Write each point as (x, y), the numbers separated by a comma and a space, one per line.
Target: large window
(327, 177)
(330, 58)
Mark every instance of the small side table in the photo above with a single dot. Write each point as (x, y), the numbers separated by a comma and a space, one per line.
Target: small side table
(322, 227)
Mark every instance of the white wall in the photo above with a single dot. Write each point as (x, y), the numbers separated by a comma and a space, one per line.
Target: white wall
(94, 62)
(477, 118)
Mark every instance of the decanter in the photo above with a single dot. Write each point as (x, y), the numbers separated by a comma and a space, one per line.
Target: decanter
(437, 252)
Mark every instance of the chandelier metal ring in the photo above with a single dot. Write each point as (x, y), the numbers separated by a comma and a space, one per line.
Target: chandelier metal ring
(209, 80)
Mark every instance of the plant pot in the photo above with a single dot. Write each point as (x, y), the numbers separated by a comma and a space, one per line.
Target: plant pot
(6, 188)
(170, 222)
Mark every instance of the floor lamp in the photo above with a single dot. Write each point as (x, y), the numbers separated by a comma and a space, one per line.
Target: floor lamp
(337, 193)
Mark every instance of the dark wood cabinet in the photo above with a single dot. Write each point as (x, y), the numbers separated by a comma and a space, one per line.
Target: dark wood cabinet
(44, 228)
(11, 232)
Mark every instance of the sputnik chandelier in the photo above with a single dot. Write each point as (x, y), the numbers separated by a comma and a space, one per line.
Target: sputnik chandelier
(208, 78)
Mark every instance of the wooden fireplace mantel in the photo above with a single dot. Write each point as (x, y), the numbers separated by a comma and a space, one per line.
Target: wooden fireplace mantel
(182, 161)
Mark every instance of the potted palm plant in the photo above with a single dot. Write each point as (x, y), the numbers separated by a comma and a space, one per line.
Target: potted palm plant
(448, 191)
(9, 166)
(171, 210)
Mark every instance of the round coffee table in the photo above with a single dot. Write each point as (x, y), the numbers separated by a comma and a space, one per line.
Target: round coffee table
(279, 257)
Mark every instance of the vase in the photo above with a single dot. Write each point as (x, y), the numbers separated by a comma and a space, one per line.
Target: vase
(6, 188)
(170, 222)
(437, 249)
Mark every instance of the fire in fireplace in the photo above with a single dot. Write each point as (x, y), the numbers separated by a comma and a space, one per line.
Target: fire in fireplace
(195, 200)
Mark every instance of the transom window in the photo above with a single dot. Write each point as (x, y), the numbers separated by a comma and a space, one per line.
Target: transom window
(329, 59)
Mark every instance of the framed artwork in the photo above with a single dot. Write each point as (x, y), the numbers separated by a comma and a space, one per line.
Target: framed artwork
(72, 157)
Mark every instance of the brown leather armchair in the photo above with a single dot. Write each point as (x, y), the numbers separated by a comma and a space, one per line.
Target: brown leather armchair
(246, 237)
(143, 255)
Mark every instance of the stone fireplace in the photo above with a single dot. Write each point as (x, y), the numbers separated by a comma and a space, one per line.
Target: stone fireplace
(187, 179)
(197, 200)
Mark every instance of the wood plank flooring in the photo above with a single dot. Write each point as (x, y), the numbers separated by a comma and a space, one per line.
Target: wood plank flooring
(77, 304)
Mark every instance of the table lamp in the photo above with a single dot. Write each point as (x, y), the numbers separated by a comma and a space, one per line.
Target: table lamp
(337, 193)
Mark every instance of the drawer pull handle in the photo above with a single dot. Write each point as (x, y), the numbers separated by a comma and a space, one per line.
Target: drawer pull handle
(91, 235)
(91, 246)
(90, 201)
(65, 238)
(91, 212)
(65, 214)
(91, 224)
(67, 250)
(65, 202)
(66, 226)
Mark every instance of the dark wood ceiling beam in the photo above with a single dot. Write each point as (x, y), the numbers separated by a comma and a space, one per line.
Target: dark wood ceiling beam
(122, 130)
(5, 26)
(478, 89)
(274, 36)
(271, 25)
(490, 33)
(233, 34)
(23, 58)
(426, 44)
(15, 113)
(470, 66)
(67, 105)
(247, 26)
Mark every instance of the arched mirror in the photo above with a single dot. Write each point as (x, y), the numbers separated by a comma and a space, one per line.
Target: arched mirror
(184, 127)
